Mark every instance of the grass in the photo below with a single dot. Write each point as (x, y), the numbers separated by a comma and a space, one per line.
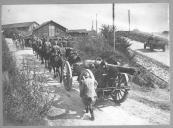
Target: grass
(23, 102)
(91, 48)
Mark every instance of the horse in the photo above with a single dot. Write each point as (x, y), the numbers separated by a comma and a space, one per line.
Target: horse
(36, 47)
(47, 53)
(33, 45)
(72, 56)
(40, 50)
(56, 61)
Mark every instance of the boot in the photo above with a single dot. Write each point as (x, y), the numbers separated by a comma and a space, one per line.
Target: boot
(86, 108)
(92, 115)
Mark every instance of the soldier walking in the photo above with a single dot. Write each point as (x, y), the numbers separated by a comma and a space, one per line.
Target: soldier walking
(88, 93)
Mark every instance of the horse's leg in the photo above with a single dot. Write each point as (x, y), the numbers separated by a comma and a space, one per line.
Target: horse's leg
(49, 65)
(54, 70)
(61, 73)
(86, 108)
(41, 57)
(46, 62)
(37, 54)
(44, 57)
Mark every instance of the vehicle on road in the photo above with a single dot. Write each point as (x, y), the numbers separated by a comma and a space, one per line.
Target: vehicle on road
(154, 43)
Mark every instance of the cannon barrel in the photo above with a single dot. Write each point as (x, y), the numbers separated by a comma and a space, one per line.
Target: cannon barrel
(112, 67)
(121, 69)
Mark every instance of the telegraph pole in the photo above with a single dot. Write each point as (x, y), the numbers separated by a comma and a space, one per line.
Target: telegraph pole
(96, 22)
(129, 19)
(113, 16)
(92, 26)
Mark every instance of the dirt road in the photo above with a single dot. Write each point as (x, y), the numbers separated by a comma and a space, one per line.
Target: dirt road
(68, 110)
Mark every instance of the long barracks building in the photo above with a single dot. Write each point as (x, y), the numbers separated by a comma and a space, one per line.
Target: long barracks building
(50, 29)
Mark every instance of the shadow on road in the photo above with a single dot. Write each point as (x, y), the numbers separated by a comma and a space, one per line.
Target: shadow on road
(147, 50)
(101, 103)
(70, 106)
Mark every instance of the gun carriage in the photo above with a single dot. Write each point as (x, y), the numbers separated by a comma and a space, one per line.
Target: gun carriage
(112, 79)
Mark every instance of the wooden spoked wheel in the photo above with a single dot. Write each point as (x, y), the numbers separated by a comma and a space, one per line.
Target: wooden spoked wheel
(67, 76)
(120, 94)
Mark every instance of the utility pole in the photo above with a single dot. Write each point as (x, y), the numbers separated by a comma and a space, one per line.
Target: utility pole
(92, 26)
(96, 22)
(129, 19)
(113, 16)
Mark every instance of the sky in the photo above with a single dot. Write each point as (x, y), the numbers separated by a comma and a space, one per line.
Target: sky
(147, 17)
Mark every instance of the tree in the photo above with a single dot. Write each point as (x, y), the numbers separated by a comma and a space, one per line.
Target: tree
(107, 33)
(120, 42)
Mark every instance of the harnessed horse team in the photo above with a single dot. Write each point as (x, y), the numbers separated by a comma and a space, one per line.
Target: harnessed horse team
(52, 54)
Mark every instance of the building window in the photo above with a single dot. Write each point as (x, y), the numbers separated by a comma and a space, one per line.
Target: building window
(51, 30)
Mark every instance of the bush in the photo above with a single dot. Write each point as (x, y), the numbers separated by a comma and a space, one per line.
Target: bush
(20, 106)
(91, 48)
(144, 78)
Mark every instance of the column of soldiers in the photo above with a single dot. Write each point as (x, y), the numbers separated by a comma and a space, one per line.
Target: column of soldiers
(19, 41)
(49, 51)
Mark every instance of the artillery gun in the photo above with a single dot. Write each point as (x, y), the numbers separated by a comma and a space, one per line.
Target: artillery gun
(112, 79)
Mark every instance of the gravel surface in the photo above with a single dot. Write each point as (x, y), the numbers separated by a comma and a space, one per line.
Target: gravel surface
(157, 62)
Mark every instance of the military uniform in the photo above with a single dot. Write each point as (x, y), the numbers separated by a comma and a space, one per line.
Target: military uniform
(88, 93)
(87, 88)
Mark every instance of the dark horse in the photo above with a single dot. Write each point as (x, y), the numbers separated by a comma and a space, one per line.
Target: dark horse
(47, 54)
(56, 61)
(72, 56)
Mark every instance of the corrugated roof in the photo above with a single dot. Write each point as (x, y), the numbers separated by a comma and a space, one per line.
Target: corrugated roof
(47, 22)
(78, 30)
(18, 25)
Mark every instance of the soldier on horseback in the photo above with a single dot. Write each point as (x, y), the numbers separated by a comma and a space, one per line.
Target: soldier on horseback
(72, 55)
(56, 59)
(47, 47)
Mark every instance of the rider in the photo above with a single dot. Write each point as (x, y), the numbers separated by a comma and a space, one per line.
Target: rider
(56, 49)
(47, 43)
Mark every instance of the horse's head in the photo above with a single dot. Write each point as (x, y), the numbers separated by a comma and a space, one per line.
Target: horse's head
(68, 52)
